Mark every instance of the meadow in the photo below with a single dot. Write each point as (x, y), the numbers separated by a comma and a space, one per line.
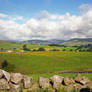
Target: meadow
(18, 46)
(45, 63)
(48, 63)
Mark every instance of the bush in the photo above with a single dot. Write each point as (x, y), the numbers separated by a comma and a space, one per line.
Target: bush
(55, 50)
(55, 45)
(64, 50)
(4, 64)
(71, 50)
(25, 48)
(14, 49)
(34, 50)
(80, 50)
(7, 66)
(2, 49)
(41, 49)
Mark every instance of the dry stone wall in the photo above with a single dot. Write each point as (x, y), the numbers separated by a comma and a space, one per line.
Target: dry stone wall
(16, 82)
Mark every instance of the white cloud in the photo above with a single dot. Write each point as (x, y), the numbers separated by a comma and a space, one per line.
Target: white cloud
(3, 15)
(48, 26)
(17, 18)
(85, 8)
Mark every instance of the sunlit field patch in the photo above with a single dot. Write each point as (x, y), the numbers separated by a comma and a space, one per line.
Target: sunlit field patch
(48, 62)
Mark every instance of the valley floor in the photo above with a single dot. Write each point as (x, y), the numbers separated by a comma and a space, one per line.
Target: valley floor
(47, 63)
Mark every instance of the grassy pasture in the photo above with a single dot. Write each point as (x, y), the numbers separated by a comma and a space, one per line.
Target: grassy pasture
(18, 46)
(49, 62)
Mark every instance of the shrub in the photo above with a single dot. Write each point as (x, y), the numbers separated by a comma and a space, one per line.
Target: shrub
(71, 50)
(41, 49)
(80, 50)
(4, 64)
(55, 50)
(14, 49)
(25, 48)
(7, 66)
(2, 49)
(34, 50)
(64, 50)
(55, 45)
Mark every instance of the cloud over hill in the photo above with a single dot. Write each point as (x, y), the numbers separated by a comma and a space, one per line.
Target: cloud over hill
(48, 26)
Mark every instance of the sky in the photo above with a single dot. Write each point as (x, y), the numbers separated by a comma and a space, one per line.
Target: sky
(45, 19)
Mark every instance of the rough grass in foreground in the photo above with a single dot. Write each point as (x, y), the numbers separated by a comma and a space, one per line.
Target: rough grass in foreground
(48, 62)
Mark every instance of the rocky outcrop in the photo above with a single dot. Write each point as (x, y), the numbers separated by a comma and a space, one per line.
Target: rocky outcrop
(16, 82)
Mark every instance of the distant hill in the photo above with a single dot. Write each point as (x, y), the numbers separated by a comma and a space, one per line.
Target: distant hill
(81, 39)
(54, 41)
(71, 42)
(4, 41)
(8, 42)
(78, 41)
(75, 41)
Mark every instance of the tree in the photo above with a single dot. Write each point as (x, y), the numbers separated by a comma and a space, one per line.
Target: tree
(55, 50)
(41, 49)
(89, 49)
(64, 50)
(7, 66)
(34, 50)
(4, 64)
(71, 50)
(2, 49)
(25, 48)
(14, 49)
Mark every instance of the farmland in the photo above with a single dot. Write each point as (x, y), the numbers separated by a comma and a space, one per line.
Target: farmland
(18, 46)
(48, 62)
(45, 63)
(66, 46)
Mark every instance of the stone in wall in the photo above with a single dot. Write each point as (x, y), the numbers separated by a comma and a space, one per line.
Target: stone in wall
(81, 79)
(16, 78)
(13, 82)
(5, 75)
(44, 83)
(27, 81)
(67, 81)
(4, 84)
(56, 81)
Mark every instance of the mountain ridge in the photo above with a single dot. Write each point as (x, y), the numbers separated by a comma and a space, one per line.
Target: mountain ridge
(53, 41)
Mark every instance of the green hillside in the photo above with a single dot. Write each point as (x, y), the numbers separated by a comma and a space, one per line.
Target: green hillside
(77, 43)
(18, 46)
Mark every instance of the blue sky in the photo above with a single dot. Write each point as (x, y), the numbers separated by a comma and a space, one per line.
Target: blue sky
(45, 19)
(29, 8)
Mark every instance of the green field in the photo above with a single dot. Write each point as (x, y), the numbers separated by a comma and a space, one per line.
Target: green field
(48, 62)
(18, 46)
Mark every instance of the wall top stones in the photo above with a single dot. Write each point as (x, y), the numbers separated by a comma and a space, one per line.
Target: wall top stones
(14, 82)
